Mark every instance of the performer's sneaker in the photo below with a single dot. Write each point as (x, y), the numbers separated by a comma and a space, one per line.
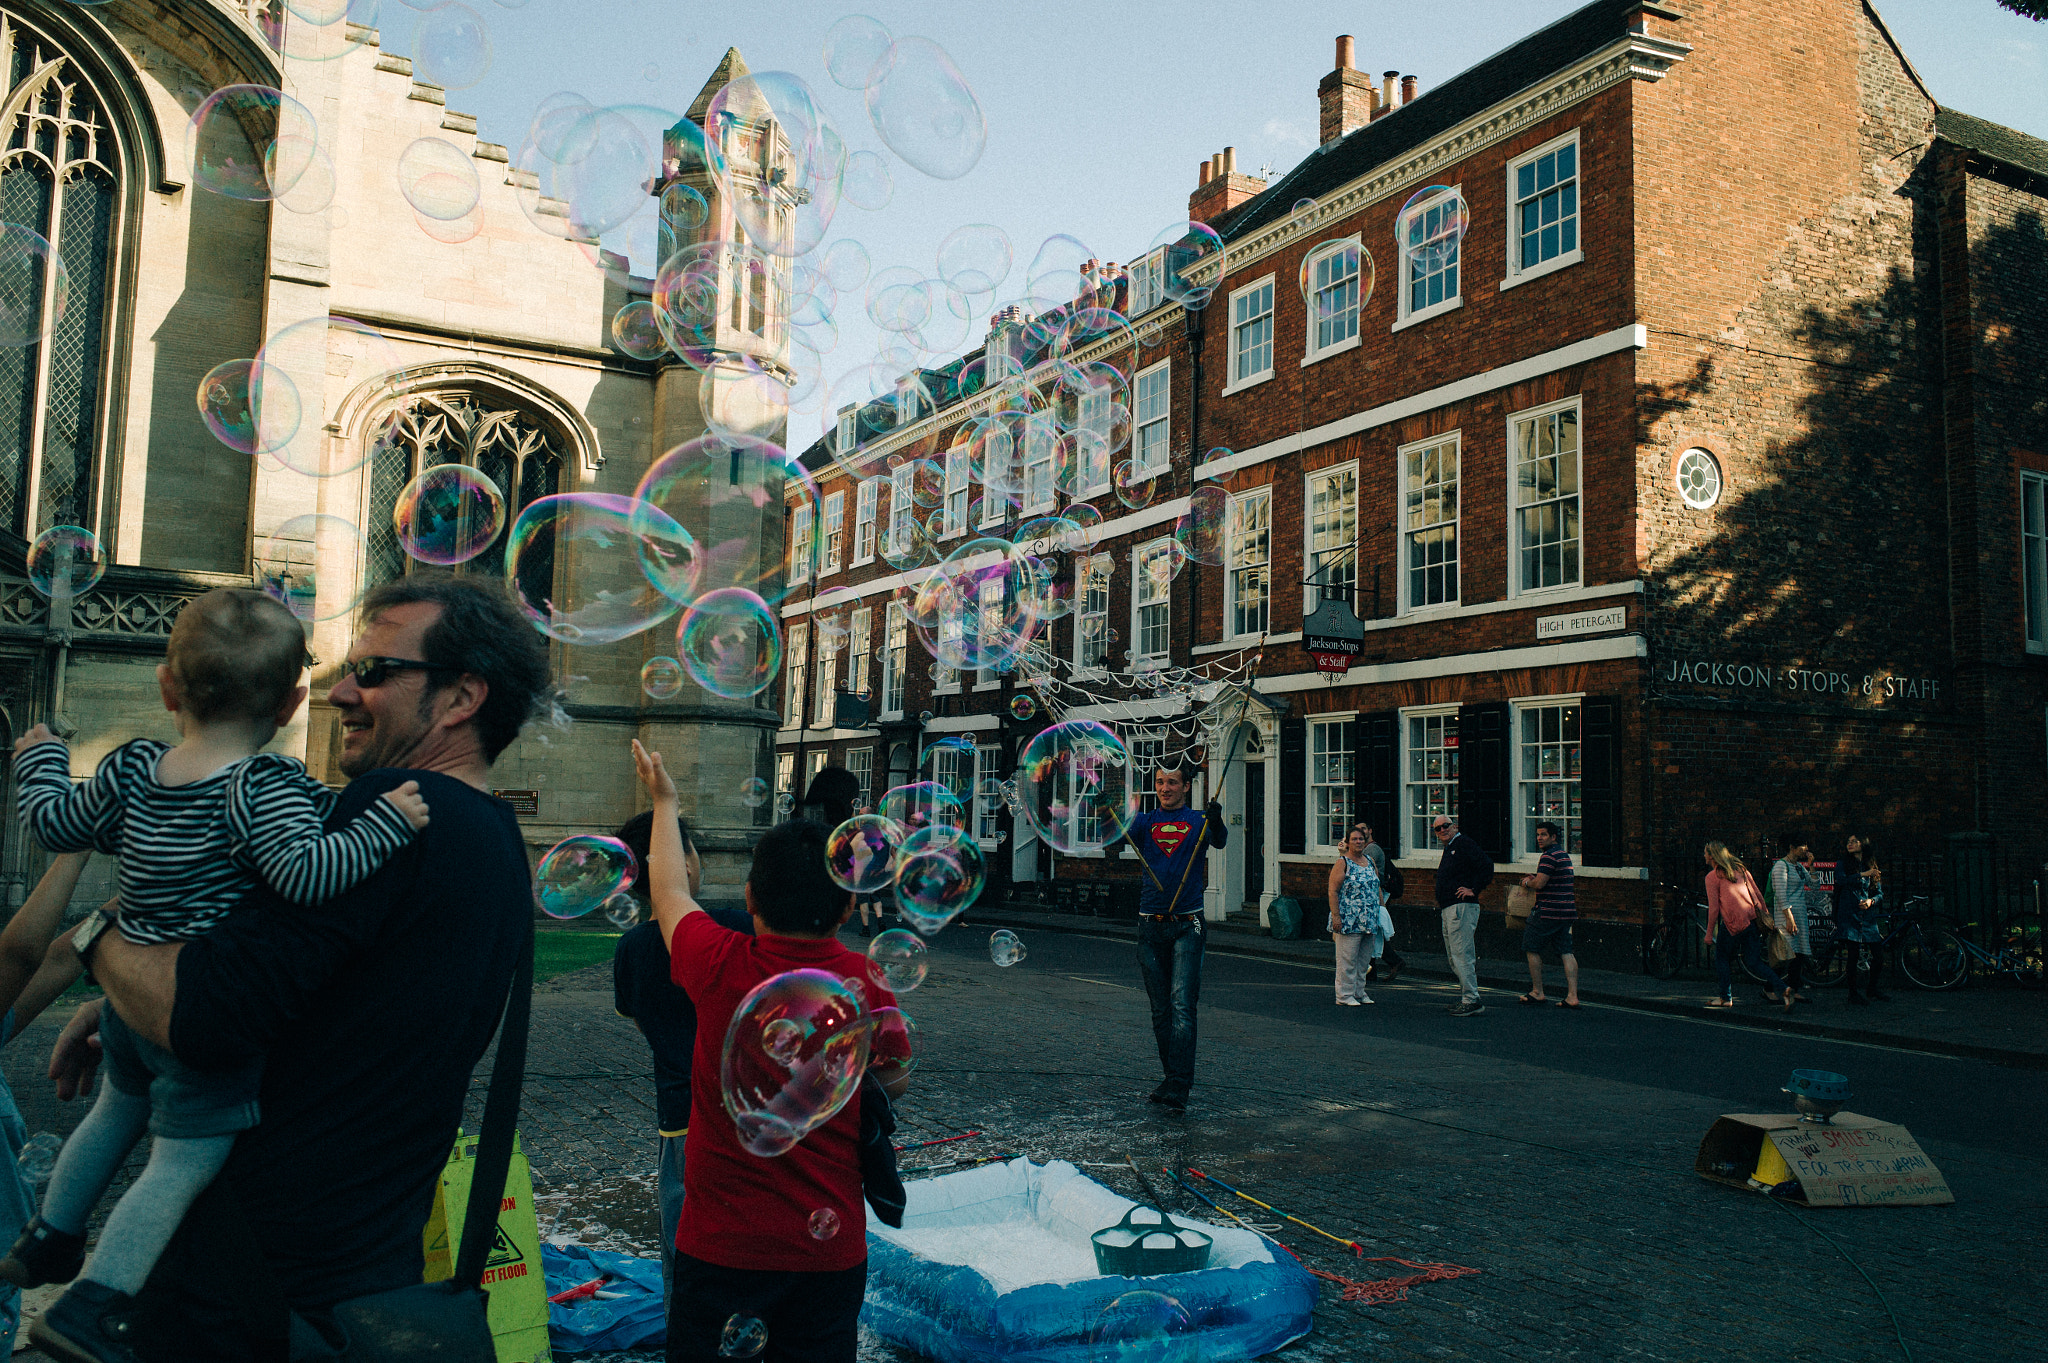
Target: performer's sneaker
(1159, 1094)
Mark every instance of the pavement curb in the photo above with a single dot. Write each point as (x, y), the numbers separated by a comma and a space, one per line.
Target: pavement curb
(1250, 944)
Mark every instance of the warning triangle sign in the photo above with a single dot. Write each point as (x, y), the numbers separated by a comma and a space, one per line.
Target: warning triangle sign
(503, 1251)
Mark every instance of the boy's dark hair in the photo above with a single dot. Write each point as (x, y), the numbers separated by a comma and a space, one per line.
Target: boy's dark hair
(831, 796)
(637, 832)
(479, 633)
(792, 891)
(235, 653)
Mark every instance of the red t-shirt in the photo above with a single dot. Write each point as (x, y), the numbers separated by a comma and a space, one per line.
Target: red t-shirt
(739, 1209)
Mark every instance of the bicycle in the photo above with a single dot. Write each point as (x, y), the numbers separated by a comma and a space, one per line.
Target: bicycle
(1906, 931)
(1670, 945)
(1942, 958)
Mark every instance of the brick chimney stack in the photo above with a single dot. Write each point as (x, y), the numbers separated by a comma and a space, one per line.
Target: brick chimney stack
(1221, 187)
(1346, 95)
(1408, 84)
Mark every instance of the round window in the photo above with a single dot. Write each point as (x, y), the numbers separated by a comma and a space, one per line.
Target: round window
(1699, 479)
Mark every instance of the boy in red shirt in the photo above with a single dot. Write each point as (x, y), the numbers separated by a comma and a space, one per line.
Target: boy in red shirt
(746, 1249)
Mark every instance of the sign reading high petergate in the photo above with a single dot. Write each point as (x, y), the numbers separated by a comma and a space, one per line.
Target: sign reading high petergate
(1876, 687)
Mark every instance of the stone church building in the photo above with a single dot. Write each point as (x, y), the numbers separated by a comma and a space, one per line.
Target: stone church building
(486, 343)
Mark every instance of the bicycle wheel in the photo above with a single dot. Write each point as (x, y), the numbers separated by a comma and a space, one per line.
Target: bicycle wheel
(1830, 965)
(1665, 951)
(1933, 957)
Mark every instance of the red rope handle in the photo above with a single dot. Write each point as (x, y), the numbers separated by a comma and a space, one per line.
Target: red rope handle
(1381, 1291)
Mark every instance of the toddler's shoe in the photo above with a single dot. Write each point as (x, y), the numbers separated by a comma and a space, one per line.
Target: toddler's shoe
(90, 1323)
(42, 1255)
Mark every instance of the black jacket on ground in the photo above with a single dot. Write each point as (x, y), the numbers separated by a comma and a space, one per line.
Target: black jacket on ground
(1465, 864)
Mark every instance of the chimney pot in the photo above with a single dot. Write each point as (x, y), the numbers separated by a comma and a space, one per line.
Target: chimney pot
(1407, 88)
(1390, 94)
(1202, 175)
(1230, 160)
(1346, 53)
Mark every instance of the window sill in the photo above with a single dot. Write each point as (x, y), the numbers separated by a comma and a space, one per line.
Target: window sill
(863, 562)
(1435, 310)
(889, 717)
(1563, 590)
(1238, 387)
(1201, 649)
(1314, 356)
(1551, 266)
(1443, 610)
(988, 686)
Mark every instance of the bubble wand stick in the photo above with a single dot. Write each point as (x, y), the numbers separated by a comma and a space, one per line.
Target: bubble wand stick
(1236, 727)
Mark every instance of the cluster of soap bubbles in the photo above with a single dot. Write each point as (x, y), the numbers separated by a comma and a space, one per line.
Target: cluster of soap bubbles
(795, 1051)
(916, 848)
(582, 873)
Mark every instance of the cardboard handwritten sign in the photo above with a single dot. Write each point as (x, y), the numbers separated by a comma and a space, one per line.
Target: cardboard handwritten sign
(1854, 1161)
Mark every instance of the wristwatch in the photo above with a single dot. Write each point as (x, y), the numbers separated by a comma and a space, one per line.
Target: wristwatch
(87, 935)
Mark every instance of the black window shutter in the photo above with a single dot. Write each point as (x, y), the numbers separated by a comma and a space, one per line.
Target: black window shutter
(1483, 787)
(1293, 784)
(1379, 778)
(1599, 786)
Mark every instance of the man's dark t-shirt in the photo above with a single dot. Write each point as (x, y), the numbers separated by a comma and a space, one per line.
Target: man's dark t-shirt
(371, 1010)
(643, 991)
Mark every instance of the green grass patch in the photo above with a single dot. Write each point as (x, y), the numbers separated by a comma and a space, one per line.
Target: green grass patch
(558, 953)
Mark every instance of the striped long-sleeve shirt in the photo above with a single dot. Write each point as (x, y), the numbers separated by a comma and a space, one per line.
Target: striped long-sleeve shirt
(191, 853)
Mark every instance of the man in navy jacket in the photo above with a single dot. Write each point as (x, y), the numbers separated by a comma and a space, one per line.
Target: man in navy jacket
(1465, 870)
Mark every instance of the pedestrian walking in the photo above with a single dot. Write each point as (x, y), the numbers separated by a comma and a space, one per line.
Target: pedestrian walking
(1461, 875)
(1792, 881)
(1859, 890)
(1170, 841)
(1388, 963)
(1557, 907)
(1735, 907)
(1355, 918)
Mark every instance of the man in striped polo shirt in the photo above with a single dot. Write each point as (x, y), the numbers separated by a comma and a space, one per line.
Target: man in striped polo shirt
(1550, 927)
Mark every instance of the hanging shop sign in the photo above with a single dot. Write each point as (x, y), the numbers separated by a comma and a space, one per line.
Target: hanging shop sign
(1333, 637)
(1868, 688)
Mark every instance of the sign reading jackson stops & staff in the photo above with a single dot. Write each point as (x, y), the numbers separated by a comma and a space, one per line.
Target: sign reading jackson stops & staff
(1333, 637)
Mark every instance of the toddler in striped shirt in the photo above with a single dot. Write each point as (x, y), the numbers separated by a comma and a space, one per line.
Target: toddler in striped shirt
(198, 827)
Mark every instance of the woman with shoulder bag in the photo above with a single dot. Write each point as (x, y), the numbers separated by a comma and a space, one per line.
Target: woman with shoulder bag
(1791, 883)
(1735, 907)
(1354, 918)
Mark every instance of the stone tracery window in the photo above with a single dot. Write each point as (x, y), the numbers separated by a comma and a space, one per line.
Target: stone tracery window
(60, 172)
(516, 450)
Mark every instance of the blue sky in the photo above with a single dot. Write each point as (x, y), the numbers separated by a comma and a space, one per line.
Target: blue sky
(1099, 115)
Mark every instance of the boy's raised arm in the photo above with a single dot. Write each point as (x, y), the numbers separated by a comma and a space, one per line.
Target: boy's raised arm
(668, 879)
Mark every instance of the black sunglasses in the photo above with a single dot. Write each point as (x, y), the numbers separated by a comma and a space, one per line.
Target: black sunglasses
(370, 672)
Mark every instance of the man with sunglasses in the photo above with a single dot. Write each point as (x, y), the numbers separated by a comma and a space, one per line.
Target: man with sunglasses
(371, 1010)
(1464, 871)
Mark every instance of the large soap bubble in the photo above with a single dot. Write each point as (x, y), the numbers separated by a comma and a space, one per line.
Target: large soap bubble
(30, 270)
(321, 355)
(866, 182)
(448, 515)
(730, 643)
(636, 332)
(794, 220)
(250, 407)
(981, 605)
(920, 805)
(976, 258)
(580, 873)
(897, 960)
(1190, 249)
(794, 1053)
(250, 142)
(1144, 1327)
(853, 47)
(1433, 222)
(721, 487)
(939, 873)
(595, 568)
(451, 47)
(438, 178)
(894, 1052)
(65, 560)
(860, 854)
(312, 564)
(1202, 529)
(924, 110)
(1073, 785)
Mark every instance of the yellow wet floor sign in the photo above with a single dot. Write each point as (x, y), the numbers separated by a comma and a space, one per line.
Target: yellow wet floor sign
(512, 1275)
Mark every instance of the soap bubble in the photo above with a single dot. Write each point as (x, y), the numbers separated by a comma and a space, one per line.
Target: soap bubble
(846, 264)
(743, 1337)
(783, 1039)
(661, 678)
(29, 267)
(622, 911)
(321, 353)
(939, 873)
(894, 1051)
(860, 853)
(753, 792)
(899, 299)
(1004, 948)
(1023, 708)
(438, 179)
(595, 568)
(451, 47)
(1325, 287)
(683, 207)
(730, 642)
(448, 515)
(1054, 275)
(636, 332)
(775, 1099)
(1303, 206)
(1435, 218)
(923, 110)
(1136, 488)
(580, 873)
(981, 605)
(920, 805)
(1191, 248)
(896, 960)
(785, 802)
(727, 484)
(1073, 785)
(866, 182)
(794, 221)
(740, 400)
(1201, 529)
(38, 1157)
(249, 407)
(250, 142)
(824, 1223)
(309, 563)
(852, 48)
(975, 258)
(935, 752)
(1144, 1327)
(65, 560)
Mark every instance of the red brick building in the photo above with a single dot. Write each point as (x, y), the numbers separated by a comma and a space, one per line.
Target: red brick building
(1697, 488)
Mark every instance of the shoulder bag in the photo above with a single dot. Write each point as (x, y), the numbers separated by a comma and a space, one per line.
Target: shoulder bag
(447, 1321)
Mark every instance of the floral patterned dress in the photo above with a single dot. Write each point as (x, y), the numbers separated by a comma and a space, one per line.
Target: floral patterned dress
(1358, 899)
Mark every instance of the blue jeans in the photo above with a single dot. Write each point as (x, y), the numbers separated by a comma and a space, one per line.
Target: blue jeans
(17, 1205)
(668, 1181)
(1749, 942)
(1170, 960)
